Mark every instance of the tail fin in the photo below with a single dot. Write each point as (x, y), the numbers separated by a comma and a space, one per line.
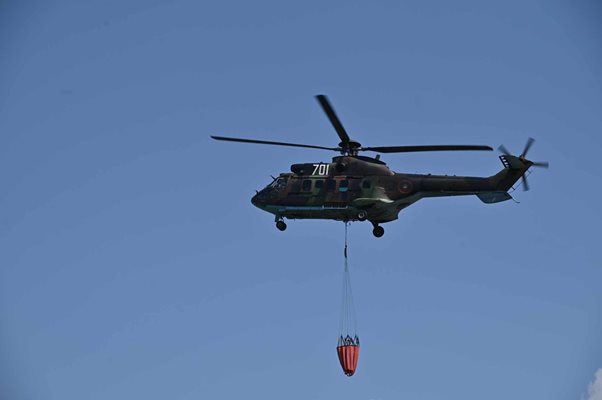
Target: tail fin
(512, 162)
(514, 169)
(518, 166)
(503, 180)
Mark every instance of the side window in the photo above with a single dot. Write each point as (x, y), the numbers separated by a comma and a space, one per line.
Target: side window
(330, 185)
(295, 185)
(344, 185)
(319, 183)
(366, 184)
(280, 184)
(306, 185)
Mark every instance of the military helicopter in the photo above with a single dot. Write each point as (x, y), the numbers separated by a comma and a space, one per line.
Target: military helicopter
(354, 187)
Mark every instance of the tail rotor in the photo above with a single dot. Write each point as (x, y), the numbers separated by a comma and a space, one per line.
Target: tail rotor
(527, 147)
(504, 150)
(520, 161)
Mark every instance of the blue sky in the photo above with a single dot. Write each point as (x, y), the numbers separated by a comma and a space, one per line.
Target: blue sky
(133, 265)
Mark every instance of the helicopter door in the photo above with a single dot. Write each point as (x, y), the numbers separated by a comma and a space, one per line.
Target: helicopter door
(330, 192)
(300, 192)
(346, 189)
(295, 186)
(349, 189)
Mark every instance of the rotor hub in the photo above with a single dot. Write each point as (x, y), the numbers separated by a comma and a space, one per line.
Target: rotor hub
(350, 148)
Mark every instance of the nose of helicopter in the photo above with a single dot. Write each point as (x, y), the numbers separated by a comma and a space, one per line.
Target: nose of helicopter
(257, 200)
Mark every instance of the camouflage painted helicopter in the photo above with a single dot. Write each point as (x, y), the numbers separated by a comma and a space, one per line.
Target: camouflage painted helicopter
(359, 188)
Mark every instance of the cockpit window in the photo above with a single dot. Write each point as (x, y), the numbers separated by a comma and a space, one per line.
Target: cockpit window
(306, 185)
(344, 185)
(279, 183)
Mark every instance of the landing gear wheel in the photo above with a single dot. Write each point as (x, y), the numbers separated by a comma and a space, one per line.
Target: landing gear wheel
(281, 225)
(378, 231)
(362, 215)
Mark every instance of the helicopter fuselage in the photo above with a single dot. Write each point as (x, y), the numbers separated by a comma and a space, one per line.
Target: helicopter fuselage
(354, 188)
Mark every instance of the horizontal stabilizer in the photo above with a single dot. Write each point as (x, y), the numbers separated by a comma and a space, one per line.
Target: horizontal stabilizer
(493, 197)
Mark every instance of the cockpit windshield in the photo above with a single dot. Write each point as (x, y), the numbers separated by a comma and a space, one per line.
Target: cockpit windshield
(278, 184)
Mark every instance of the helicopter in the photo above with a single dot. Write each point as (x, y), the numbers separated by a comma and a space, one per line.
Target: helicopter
(354, 187)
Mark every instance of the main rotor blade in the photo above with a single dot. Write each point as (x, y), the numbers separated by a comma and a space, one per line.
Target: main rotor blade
(527, 146)
(231, 139)
(543, 164)
(525, 183)
(334, 120)
(408, 149)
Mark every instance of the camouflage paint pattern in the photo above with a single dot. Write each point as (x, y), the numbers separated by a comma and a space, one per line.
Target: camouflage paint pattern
(352, 185)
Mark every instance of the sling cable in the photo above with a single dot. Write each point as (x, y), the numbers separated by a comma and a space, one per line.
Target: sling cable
(348, 346)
